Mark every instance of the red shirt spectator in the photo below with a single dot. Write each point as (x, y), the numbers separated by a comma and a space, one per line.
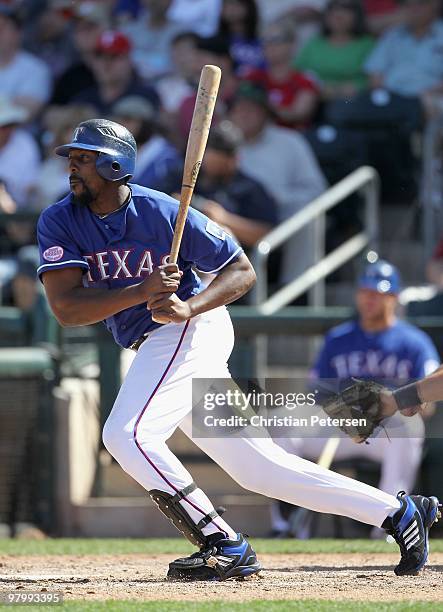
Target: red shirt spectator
(283, 93)
(292, 96)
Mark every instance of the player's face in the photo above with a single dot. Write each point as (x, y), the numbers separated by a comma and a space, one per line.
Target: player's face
(84, 180)
(373, 306)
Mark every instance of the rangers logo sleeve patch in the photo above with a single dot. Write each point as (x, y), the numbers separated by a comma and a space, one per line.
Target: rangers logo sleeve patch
(54, 253)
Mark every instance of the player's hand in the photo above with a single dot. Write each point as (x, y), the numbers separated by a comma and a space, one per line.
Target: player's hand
(164, 279)
(169, 309)
(388, 404)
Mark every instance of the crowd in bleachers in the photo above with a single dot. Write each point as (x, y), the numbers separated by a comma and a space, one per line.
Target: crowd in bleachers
(311, 89)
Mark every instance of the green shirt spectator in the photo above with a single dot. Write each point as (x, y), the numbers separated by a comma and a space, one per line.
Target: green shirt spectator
(338, 55)
(336, 65)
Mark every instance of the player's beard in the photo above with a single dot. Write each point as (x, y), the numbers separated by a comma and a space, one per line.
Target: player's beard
(85, 198)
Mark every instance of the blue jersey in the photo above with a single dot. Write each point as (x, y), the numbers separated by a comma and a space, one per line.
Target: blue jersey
(125, 246)
(400, 353)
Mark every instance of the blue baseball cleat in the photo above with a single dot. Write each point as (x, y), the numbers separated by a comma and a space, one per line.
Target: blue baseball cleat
(220, 560)
(410, 529)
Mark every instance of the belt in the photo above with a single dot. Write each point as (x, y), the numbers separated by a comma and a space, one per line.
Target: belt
(137, 344)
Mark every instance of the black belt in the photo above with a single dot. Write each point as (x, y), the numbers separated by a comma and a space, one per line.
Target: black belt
(137, 344)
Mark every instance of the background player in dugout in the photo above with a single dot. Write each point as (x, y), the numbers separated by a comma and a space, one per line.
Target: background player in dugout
(103, 249)
(376, 345)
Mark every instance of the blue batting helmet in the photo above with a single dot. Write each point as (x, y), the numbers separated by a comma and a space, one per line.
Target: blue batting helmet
(380, 276)
(114, 143)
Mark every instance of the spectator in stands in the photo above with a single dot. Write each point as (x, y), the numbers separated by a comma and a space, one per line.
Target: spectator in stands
(239, 24)
(406, 76)
(19, 153)
(90, 19)
(7, 204)
(151, 35)
(115, 75)
(24, 290)
(376, 346)
(300, 10)
(156, 156)
(58, 123)
(23, 77)
(126, 10)
(336, 57)
(49, 36)
(199, 16)
(225, 194)
(292, 95)
(21, 289)
(408, 59)
(305, 14)
(173, 89)
(213, 50)
(283, 163)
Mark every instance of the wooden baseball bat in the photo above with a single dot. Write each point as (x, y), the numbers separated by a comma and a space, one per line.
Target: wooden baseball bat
(195, 149)
(198, 137)
(328, 453)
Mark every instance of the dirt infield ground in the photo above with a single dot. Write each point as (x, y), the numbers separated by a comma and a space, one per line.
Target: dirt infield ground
(345, 577)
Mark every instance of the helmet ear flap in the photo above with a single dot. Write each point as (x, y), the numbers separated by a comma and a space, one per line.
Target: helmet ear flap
(110, 167)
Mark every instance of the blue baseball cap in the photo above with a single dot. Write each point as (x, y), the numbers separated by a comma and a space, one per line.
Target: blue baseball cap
(380, 276)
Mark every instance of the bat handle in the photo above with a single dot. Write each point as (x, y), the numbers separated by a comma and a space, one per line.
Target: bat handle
(185, 198)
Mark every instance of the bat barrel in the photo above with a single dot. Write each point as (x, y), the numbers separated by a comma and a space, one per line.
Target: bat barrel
(198, 138)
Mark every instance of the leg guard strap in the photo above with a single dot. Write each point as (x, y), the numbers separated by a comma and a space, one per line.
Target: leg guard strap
(170, 506)
(183, 493)
(207, 519)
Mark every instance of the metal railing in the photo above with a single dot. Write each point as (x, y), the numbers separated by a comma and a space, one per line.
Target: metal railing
(431, 189)
(364, 180)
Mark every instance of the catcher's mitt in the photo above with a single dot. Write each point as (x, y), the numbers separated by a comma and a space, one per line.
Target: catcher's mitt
(360, 401)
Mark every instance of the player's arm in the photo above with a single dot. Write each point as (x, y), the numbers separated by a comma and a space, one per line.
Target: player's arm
(73, 304)
(233, 281)
(409, 398)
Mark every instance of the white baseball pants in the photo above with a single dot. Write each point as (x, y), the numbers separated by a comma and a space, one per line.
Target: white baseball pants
(398, 450)
(156, 397)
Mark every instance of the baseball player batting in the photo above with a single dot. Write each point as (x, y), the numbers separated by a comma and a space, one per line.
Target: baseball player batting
(103, 251)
